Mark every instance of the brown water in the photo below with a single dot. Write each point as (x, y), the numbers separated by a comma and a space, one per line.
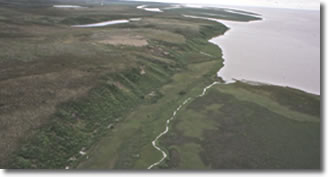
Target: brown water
(283, 49)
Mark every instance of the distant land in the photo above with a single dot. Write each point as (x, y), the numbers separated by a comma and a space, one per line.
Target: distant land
(137, 85)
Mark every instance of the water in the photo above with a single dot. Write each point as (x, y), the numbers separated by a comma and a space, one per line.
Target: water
(106, 23)
(144, 7)
(168, 121)
(67, 6)
(134, 19)
(153, 9)
(283, 49)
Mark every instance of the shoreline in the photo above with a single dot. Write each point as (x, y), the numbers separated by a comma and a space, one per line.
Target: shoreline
(202, 86)
(227, 43)
(129, 98)
(155, 142)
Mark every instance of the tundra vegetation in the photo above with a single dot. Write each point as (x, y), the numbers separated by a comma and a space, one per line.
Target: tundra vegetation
(97, 97)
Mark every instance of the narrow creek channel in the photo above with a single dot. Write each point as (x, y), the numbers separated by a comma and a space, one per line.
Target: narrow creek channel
(168, 121)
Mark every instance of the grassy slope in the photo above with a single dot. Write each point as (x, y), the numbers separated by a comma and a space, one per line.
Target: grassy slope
(61, 92)
(128, 145)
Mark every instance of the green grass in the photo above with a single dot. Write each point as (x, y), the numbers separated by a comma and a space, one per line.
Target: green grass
(245, 132)
(219, 13)
(190, 158)
(147, 121)
(118, 91)
(192, 126)
(276, 106)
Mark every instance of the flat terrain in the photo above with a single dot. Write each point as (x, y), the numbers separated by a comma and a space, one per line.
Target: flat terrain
(97, 97)
(240, 126)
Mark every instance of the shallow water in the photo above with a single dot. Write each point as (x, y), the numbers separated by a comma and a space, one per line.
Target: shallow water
(134, 19)
(283, 49)
(144, 7)
(67, 6)
(106, 23)
(153, 9)
(168, 121)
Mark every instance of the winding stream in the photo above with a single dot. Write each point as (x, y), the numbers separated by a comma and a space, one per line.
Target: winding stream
(164, 132)
(155, 141)
(267, 54)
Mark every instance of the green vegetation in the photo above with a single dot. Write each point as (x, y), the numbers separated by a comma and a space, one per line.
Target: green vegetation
(214, 13)
(97, 97)
(240, 131)
(62, 87)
